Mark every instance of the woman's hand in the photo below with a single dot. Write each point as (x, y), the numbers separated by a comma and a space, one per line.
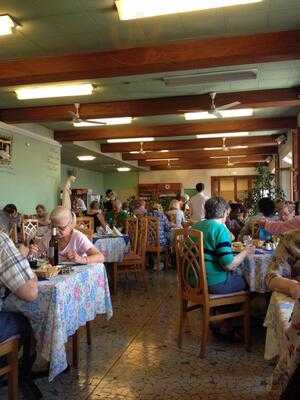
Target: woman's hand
(73, 256)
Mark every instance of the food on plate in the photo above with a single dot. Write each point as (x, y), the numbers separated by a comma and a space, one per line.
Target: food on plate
(47, 271)
(237, 246)
(258, 243)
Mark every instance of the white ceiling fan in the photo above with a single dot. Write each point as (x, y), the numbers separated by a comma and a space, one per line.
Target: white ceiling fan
(141, 150)
(77, 119)
(214, 110)
(229, 163)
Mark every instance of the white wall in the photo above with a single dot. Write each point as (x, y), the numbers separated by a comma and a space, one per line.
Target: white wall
(189, 178)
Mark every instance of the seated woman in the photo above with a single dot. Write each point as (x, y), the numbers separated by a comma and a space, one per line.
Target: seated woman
(139, 208)
(175, 214)
(72, 244)
(42, 215)
(164, 224)
(220, 262)
(10, 217)
(287, 258)
(288, 221)
(117, 217)
(95, 212)
(266, 208)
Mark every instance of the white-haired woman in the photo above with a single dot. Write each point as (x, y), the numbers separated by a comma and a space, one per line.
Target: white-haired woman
(72, 244)
(175, 214)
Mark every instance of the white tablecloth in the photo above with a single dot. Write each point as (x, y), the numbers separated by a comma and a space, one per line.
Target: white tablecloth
(113, 248)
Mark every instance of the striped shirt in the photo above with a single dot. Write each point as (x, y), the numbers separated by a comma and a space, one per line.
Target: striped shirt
(14, 268)
(218, 253)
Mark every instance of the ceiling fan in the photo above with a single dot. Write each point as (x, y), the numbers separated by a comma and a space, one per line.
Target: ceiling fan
(229, 163)
(214, 110)
(77, 119)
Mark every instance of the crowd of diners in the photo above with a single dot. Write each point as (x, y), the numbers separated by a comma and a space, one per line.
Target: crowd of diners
(220, 222)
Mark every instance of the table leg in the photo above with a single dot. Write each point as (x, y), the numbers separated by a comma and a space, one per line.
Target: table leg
(75, 350)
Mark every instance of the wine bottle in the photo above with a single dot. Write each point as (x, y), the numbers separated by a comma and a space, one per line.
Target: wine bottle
(53, 248)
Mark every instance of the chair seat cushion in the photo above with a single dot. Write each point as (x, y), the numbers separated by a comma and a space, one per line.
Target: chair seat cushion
(219, 296)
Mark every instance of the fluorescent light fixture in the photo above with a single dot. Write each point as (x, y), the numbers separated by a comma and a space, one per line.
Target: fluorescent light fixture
(227, 147)
(222, 135)
(131, 140)
(133, 9)
(164, 151)
(239, 112)
(106, 121)
(162, 159)
(7, 25)
(242, 156)
(123, 169)
(48, 91)
(211, 77)
(86, 158)
(134, 152)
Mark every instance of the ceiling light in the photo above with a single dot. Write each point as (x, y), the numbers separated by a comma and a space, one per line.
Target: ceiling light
(133, 9)
(86, 158)
(228, 147)
(131, 140)
(222, 135)
(43, 92)
(162, 159)
(229, 156)
(123, 169)
(134, 152)
(106, 121)
(239, 112)
(164, 151)
(7, 25)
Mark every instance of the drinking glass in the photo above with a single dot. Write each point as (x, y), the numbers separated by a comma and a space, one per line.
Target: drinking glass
(247, 240)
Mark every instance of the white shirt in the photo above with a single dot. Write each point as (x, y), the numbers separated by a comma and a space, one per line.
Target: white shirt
(197, 203)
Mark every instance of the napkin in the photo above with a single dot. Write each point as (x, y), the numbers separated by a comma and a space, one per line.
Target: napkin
(108, 230)
(116, 231)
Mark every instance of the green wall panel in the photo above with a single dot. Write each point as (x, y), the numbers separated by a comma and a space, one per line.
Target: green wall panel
(32, 177)
(85, 178)
(124, 184)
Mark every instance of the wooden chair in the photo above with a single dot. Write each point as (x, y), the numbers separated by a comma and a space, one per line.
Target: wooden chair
(10, 348)
(12, 232)
(134, 261)
(194, 294)
(132, 231)
(29, 229)
(255, 226)
(86, 226)
(153, 243)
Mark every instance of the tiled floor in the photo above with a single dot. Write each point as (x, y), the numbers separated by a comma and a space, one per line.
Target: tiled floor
(134, 356)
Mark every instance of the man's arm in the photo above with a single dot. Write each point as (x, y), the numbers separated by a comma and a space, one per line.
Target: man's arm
(28, 291)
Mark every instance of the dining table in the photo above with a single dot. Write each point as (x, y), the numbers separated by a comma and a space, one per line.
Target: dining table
(114, 248)
(283, 338)
(64, 304)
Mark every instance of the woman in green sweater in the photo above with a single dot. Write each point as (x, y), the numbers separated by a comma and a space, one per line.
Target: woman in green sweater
(220, 262)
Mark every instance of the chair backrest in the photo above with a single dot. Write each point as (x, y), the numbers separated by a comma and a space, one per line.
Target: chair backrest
(142, 237)
(190, 265)
(255, 226)
(29, 229)
(10, 349)
(153, 231)
(132, 228)
(86, 226)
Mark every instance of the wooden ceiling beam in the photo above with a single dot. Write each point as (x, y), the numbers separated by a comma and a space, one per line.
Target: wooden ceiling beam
(184, 55)
(191, 145)
(201, 153)
(215, 126)
(147, 107)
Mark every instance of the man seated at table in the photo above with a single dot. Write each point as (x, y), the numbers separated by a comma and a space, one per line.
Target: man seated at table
(73, 245)
(17, 277)
(287, 257)
(220, 262)
(117, 217)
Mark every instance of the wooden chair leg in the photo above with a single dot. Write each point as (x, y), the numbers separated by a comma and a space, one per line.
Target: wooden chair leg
(88, 333)
(75, 350)
(247, 325)
(13, 376)
(205, 333)
(182, 318)
(158, 261)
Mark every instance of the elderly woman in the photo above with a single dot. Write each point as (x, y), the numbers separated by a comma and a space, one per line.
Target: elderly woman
(117, 217)
(175, 214)
(139, 208)
(95, 212)
(72, 244)
(42, 215)
(287, 258)
(220, 262)
(164, 224)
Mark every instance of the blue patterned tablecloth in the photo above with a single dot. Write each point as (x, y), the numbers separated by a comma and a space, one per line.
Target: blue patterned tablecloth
(113, 248)
(64, 303)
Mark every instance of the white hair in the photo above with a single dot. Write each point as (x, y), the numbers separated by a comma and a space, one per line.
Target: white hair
(63, 215)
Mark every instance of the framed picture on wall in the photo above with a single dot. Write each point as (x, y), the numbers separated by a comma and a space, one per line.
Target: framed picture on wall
(5, 149)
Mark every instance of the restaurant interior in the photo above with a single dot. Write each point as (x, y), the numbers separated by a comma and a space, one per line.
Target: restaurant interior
(149, 167)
